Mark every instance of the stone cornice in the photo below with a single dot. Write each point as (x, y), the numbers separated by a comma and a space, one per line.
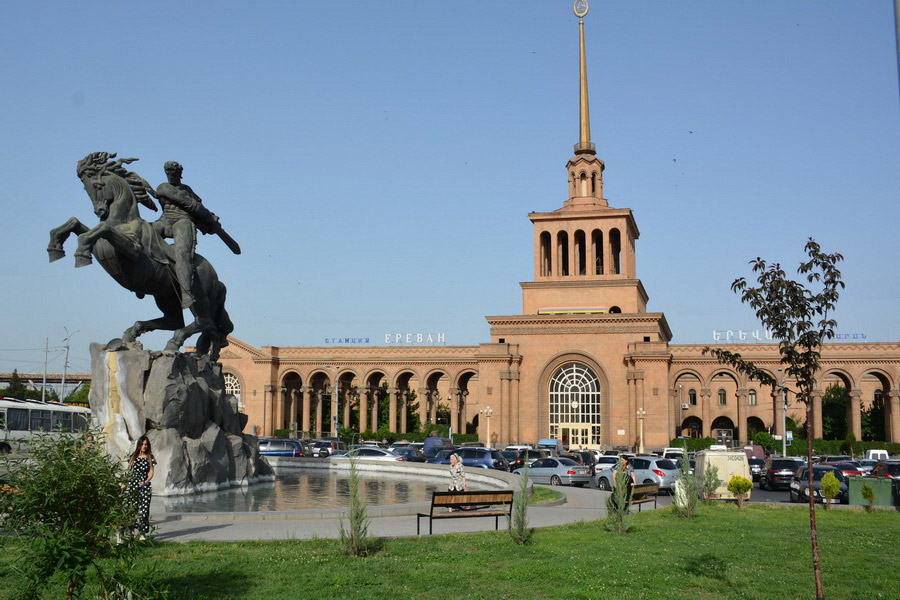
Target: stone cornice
(588, 282)
(650, 323)
(768, 353)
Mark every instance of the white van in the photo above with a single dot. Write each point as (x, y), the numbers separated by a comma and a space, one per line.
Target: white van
(673, 453)
(729, 463)
(877, 455)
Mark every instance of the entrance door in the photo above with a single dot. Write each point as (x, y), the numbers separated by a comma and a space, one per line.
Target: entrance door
(575, 435)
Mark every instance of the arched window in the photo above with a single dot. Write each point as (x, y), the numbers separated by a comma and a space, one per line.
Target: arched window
(546, 262)
(575, 404)
(722, 398)
(233, 387)
(580, 253)
(751, 398)
(615, 249)
(562, 253)
(692, 397)
(597, 244)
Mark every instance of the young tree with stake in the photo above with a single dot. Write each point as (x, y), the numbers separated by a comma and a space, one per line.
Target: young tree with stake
(800, 318)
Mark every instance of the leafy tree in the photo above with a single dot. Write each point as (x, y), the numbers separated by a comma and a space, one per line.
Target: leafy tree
(67, 505)
(834, 412)
(15, 388)
(800, 318)
(872, 421)
(79, 397)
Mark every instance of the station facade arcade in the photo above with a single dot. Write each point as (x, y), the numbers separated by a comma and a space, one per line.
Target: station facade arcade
(584, 361)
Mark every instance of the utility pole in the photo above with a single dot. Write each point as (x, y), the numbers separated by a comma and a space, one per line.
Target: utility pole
(62, 396)
(44, 386)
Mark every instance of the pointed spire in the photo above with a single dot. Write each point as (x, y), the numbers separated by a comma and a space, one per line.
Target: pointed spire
(584, 145)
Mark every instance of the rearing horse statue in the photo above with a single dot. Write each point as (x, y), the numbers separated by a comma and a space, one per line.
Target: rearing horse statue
(128, 248)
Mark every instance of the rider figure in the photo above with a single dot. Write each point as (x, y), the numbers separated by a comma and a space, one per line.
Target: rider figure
(183, 214)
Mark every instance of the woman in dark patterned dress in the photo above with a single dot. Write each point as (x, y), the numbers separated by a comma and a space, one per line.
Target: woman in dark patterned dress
(140, 466)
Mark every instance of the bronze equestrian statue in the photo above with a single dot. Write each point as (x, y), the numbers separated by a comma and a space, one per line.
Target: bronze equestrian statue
(135, 254)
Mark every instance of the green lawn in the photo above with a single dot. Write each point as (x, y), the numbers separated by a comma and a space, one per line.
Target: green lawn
(756, 553)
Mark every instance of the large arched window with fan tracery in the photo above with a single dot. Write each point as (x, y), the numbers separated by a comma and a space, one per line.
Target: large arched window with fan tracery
(233, 387)
(575, 402)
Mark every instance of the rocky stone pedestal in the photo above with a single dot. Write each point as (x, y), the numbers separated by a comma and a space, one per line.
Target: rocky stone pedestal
(178, 400)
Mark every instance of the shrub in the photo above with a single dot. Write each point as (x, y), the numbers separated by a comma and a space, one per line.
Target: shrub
(711, 482)
(355, 538)
(518, 524)
(767, 441)
(739, 486)
(619, 501)
(686, 491)
(67, 506)
(830, 487)
(869, 494)
(283, 433)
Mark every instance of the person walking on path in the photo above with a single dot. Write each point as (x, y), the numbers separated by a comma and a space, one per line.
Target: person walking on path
(140, 468)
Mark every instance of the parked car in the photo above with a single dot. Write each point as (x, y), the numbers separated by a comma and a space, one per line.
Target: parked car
(368, 453)
(652, 469)
(511, 457)
(891, 470)
(692, 462)
(605, 461)
(557, 471)
(587, 459)
(866, 465)
(442, 457)
(528, 457)
(877, 455)
(269, 447)
(826, 458)
(849, 469)
(799, 487)
(435, 450)
(886, 468)
(410, 454)
(326, 448)
(484, 458)
(778, 473)
(756, 467)
(517, 447)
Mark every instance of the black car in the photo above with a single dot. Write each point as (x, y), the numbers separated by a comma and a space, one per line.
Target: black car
(800, 484)
(511, 457)
(778, 473)
(756, 467)
(891, 470)
(434, 450)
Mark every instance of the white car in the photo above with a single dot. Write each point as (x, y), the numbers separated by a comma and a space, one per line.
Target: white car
(368, 453)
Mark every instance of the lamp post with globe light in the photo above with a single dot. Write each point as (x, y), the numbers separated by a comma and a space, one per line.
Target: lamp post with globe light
(641, 413)
(487, 412)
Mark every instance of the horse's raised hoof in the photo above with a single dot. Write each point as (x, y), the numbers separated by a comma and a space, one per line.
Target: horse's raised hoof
(56, 253)
(171, 348)
(83, 260)
(114, 345)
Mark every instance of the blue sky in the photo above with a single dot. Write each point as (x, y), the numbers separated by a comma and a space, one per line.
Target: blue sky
(377, 161)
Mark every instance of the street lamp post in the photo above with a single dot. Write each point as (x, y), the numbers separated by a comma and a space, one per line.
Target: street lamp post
(783, 416)
(680, 408)
(641, 413)
(487, 412)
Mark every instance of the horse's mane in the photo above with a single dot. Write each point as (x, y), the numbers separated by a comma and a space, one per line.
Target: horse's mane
(99, 163)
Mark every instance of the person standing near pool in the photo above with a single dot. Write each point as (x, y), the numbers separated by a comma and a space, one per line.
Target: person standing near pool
(457, 475)
(140, 467)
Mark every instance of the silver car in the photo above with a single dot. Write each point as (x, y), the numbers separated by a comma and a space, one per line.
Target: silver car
(368, 453)
(652, 469)
(557, 471)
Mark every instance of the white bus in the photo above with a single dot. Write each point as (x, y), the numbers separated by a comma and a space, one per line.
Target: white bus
(20, 419)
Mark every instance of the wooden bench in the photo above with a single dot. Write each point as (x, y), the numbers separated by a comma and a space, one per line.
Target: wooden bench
(468, 504)
(644, 492)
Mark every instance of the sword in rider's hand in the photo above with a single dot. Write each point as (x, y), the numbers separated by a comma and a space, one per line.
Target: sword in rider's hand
(223, 235)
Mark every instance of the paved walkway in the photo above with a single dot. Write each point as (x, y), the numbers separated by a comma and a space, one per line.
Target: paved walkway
(581, 504)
